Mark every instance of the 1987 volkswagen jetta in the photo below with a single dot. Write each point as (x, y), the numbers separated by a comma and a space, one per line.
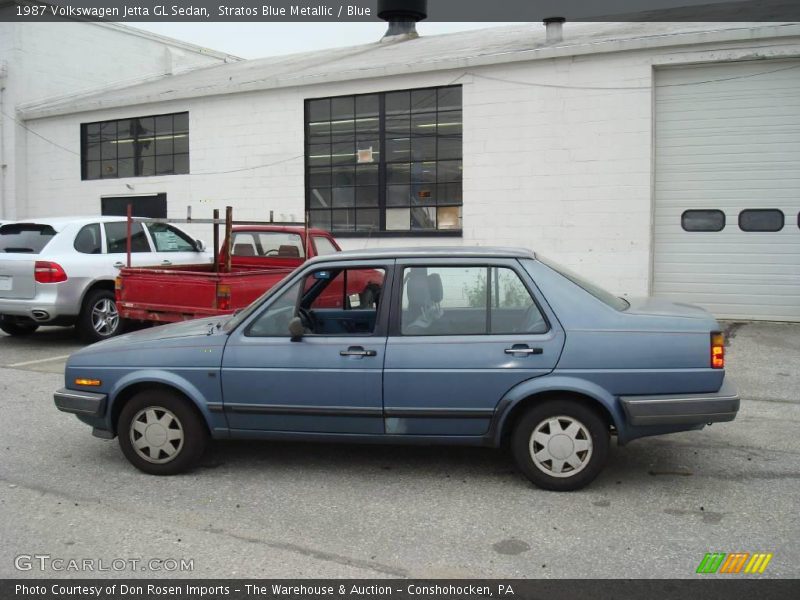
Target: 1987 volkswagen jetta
(460, 346)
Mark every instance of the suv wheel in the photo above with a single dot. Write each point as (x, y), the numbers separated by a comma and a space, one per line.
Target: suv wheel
(160, 433)
(561, 445)
(16, 328)
(99, 318)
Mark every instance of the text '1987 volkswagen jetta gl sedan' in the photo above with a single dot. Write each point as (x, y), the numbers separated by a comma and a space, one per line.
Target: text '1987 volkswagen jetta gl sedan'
(461, 346)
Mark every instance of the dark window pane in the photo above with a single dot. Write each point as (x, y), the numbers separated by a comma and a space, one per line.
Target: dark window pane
(319, 133)
(180, 123)
(125, 147)
(93, 169)
(423, 124)
(319, 155)
(145, 127)
(399, 173)
(125, 167)
(398, 149)
(367, 220)
(343, 220)
(108, 145)
(423, 148)
(343, 176)
(92, 151)
(423, 218)
(449, 170)
(449, 123)
(703, 220)
(423, 100)
(342, 108)
(319, 177)
(367, 127)
(367, 195)
(164, 125)
(319, 110)
(164, 144)
(181, 164)
(367, 106)
(181, 143)
(448, 147)
(343, 131)
(164, 165)
(423, 172)
(147, 166)
(761, 219)
(397, 103)
(320, 198)
(423, 193)
(449, 193)
(321, 219)
(344, 197)
(398, 195)
(108, 169)
(399, 126)
(450, 98)
(367, 175)
(343, 153)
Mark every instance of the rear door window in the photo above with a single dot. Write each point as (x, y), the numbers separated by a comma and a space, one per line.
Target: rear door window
(88, 240)
(117, 235)
(27, 238)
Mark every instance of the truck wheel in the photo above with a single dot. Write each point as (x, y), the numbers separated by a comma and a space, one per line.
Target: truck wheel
(99, 318)
(160, 433)
(17, 329)
(560, 445)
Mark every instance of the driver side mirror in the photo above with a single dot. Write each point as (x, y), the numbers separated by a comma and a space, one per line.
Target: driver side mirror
(296, 329)
(200, 245)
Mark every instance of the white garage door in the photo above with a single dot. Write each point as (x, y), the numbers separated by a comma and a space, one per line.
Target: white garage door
(727, 188)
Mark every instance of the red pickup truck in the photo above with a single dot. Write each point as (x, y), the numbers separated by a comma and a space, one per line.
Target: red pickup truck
(261, 256)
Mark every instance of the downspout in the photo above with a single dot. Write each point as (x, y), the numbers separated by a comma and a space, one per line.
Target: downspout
(3, 166)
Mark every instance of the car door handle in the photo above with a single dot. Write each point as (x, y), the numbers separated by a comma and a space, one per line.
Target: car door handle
(166, 263)
(523, 349)
(119, 264)
(357, 351)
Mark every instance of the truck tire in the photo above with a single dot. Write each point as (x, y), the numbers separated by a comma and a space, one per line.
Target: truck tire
(16, 328)
(560, 445)
(161, 433)
(99, 318)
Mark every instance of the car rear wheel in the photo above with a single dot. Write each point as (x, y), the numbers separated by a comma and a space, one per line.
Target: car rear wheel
(160, 433)
(99, 318)
(16, 328)
(561, 445)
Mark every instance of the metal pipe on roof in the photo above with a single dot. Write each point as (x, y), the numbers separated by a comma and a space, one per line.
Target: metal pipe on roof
(402, 16)
(554, 29)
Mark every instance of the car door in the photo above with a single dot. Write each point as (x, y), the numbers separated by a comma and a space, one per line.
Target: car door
(327, 381)
(115, 236)
(462, 334)
(174, 247)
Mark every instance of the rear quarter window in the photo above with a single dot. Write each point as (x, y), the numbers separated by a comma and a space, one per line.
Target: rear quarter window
(26, 238)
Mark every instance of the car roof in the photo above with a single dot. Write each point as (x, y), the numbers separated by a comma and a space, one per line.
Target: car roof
(61, 221)
(429, 252)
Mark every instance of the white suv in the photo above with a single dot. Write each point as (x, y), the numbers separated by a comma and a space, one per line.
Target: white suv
(61, 271)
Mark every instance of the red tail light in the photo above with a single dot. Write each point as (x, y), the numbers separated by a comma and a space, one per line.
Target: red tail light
(717, 350)
(48, 272)
(223, 297)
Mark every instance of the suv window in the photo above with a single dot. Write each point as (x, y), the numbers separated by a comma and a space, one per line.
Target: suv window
(467, 301)
(29, 238)
(169, 239)
(117, 235)
(88, 240)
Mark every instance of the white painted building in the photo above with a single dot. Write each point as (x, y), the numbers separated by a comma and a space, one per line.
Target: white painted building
(589, 149)
(47, 60)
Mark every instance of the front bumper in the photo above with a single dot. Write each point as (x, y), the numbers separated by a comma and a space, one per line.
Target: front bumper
(683, 409)
(83, 404)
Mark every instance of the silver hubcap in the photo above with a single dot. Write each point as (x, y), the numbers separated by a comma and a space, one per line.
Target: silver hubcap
(560, 446)
(105, 317)
(156, 434)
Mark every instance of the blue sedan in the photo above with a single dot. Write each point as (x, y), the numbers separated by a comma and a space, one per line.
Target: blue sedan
(477, 346)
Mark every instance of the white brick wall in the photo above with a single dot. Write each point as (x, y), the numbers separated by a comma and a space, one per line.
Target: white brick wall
(566, 172)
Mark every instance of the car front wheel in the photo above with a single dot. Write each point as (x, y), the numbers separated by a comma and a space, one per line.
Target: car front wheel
(561, 445)
(160, 433)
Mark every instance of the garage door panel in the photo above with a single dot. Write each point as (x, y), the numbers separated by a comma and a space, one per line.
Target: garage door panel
(727, 137)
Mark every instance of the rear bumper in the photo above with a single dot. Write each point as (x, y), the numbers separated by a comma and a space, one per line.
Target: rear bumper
(683, 409)
(84, 404)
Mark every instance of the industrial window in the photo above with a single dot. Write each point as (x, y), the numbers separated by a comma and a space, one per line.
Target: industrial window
(388, 163)
(703, 220)
(151, 206)
(761, 219)
(138, 147)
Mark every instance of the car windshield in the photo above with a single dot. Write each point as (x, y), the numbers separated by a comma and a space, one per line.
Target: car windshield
(29, 238)
(604, 296)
